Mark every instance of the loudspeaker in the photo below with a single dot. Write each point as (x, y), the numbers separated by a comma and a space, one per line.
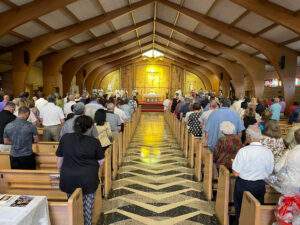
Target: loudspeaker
(282, 62)
(26, 57)
(221, 76)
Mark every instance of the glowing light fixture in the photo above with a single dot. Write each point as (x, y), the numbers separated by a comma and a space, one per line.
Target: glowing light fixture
(153, 54)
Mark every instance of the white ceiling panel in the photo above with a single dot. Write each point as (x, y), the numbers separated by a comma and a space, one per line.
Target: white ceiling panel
(161, 40)
(57, 19)
(227, 40)
(111, 42)
(3, 7)
(187, 22)
(162, 29)
(61, 45)
(195, 43)
(179, 36)
(143, 13)
(201, 6)
(31, 29)
(293, 5)
(84, 9)
(81, 37)
(128, 36)
(246, 48)
(298, 60)
(101, 30)
(211, 50)
(146, 29)
(181, 49)
(294, 45)
(109, 5)
(166, 13)
(279, 34)
(95, 48)
(206, 31)
(253, 23)
(228, 57)
(122, 21)
(147, 39)
(175, 1)
(226, 11)
(8, 40)
(20, 2)
(262, 56)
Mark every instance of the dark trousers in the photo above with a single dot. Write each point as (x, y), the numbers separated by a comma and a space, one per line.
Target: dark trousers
(23, 162)
(256, 188)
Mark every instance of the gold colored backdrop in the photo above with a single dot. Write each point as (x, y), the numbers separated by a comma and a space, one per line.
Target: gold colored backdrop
(152, 78)
(111, 81)
(192, 82)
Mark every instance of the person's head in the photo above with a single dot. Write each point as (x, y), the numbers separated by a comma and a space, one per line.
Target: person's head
(6, 98)
(266, 116)
(40, 95)
(273, 129)
(297, 136)
(213, 104)
(23, 112)
(93, 97)
(100, 117)
(71, 98)
(110, 106)
(51, 98)
(250, 112)
(225, 102)
(276, 100)
(10, 106)
(82, 124)
(253, 134)
(196, 106)
(78, 108)
(227, 128)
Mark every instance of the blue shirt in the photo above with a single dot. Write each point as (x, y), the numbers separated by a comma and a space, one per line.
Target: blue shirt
(212, 127)
(275, 109)
(2, 105)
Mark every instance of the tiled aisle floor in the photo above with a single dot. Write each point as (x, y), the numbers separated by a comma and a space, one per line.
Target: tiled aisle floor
(154, 186)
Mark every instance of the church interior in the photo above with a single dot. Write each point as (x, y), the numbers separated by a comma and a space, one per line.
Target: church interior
(155, 170)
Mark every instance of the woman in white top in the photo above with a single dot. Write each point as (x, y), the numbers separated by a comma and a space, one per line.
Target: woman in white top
(103, 128)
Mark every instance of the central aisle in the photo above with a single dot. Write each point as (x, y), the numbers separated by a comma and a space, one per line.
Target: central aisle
(154, 184)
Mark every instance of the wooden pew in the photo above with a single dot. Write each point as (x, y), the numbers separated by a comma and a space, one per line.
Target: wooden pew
(208, 174)
(253, 213)
(45, 155)
(45, 183)
(198, 159)
(107, 172)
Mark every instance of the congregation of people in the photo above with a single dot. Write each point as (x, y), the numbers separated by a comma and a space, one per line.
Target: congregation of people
(84, 126)
(245, 136)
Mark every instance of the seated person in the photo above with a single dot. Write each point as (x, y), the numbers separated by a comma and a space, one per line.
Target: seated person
(252, 165)
(20, 133)
(194, 125)
(228, 145)
(287, 179)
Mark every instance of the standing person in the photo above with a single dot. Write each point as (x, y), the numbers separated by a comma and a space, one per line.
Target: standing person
(205, 115)
(194, 125)
(249, 119)
(272, 139)
(20, 133)
(68, 127)
(52, 118)
(92, 107)
(79, 156)
(6, 116)
(120, 112)
(68, 105)
(282, 104)
(103, 128)
(113, 119)
(4, 102)
(166, 103)
(275, 109)
(40, 102)
(252, 165)
(260, 108)
(212, 128)
(174, 103)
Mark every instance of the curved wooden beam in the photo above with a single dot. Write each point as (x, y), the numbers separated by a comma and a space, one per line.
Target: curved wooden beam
(273, 12)
(41, 43)
(22, 14)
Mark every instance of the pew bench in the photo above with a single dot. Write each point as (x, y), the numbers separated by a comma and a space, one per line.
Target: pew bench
(46, 183)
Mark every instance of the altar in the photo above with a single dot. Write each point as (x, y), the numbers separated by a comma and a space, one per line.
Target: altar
(152, 97)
